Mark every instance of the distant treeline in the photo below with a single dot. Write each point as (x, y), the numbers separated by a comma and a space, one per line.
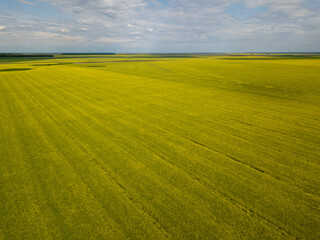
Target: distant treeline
(87, 53)
(24, 55)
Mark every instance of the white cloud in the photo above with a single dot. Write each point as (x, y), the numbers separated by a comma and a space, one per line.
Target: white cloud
(112, 40)
(58, 29)
(135, 33)
(55, 37)
(2, 28)
(73, 38)
(181, 23)
(26, 2)
(46, 35)
(25, 26)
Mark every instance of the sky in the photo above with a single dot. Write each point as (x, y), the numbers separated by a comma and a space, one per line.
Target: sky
(132, 26)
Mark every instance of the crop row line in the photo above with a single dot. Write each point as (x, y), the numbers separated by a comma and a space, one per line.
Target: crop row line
(238, 205)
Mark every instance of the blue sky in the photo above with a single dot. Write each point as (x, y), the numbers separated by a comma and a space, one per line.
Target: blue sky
(159, 25)
(241, 12)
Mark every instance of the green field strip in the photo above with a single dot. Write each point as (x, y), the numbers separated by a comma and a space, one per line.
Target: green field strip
(182, 77)
(253, 103)
(201, 76)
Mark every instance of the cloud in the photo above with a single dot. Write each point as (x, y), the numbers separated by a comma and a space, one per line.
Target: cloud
(58, 29)
(57, 37)
(181, 25)
(26, 2)
(73, 38)
(2, 28)
(46, 35)
(112, 40)
(25, 26)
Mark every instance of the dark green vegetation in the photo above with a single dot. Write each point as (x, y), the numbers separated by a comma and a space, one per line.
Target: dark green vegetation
(180, 148)
(14, 69)
(18, 55)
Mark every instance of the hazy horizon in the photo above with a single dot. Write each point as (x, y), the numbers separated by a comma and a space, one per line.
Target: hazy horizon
(157, 53)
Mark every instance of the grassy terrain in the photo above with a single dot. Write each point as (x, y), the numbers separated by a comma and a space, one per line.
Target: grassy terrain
(201, 147)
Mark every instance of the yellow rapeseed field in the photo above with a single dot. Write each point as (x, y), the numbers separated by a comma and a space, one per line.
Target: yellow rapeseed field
(160, 147)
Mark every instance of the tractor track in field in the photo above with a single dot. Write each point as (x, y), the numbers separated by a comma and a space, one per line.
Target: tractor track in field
(19, 103)
(216, 151)
(65, 91)
(273, 131)
(231, 200)
(167, 130)
(228, 156)
(94, 162)
(223, 195)
(119, 185)
(304, 140)
(251, 125)
(138, 206)
(92, 158)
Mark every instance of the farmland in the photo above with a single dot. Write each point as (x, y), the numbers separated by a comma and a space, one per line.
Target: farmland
(160, 147)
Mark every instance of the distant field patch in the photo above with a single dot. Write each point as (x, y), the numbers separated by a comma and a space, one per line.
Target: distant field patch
(116, 61)
(44, 65)
(14, 69)
(270, 58)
